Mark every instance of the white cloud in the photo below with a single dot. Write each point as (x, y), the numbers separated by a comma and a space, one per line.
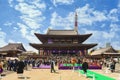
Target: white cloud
(45, 31)
(10, 2)
(103, 37)
(2, 38)
(20, 0)
(29, 48)
(15, 28)
(114, 27)
(86, 16)
(31, 17)
(58, 21)
(32, 39)
(27, 9)
(116, 45)
(8, 24)
(28, 34)
(100, 35)
(66, 2)
(23, 29)
(108, 35)
(113, 15)
(50, 8)
(39, 4)
(31, 23)
(31, 13)
(11, 41)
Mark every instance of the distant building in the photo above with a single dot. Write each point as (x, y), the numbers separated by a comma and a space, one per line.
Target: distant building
(12, 49)
(63, 42)
(106, 52)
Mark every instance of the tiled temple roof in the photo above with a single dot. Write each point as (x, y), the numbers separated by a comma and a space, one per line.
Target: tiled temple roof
(107, 50)
(61, 32)
(13, 47)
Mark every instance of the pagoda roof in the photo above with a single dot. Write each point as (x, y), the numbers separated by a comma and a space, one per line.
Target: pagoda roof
(62, 46)
(44, 37)
(61, 32)
(13, 47)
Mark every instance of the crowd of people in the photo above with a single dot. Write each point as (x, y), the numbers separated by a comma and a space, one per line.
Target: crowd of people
(19, 65)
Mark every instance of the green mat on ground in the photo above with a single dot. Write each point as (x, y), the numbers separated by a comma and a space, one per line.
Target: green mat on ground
(72, 64)
(97, 75)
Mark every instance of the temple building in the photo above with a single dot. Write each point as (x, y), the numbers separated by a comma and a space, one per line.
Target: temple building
(63, 42)
(106, 52)
(12, 50)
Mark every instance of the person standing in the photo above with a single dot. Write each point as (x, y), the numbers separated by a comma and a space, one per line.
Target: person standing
(112, 66)
(20, 68)
(1, 67)
(15, 65)
(84, 66)
(52, 66)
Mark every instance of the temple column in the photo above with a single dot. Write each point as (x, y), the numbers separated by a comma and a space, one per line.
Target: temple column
(43, 53)
(39, 51)
(85, 52)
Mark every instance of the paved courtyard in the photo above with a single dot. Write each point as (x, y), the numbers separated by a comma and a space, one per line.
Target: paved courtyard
(44, 74)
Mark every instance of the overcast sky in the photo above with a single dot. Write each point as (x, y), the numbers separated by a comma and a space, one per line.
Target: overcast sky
(20, 19)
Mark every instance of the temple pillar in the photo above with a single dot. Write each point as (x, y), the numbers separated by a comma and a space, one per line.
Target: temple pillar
(86, 53)
(39, 51)
(44, 53)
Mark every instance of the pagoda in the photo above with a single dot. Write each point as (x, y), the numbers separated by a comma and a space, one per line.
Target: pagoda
(63, 42)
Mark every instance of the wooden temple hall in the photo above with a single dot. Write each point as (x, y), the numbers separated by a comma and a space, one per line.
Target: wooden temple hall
(63, 42)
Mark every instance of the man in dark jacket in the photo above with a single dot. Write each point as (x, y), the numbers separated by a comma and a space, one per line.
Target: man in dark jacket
(20, 67)
(84, 66)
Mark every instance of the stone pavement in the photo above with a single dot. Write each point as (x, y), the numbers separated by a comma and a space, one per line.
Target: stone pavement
(44, 74)
(107, 72)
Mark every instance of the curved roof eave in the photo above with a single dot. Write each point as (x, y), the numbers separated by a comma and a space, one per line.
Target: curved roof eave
(44, 37)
